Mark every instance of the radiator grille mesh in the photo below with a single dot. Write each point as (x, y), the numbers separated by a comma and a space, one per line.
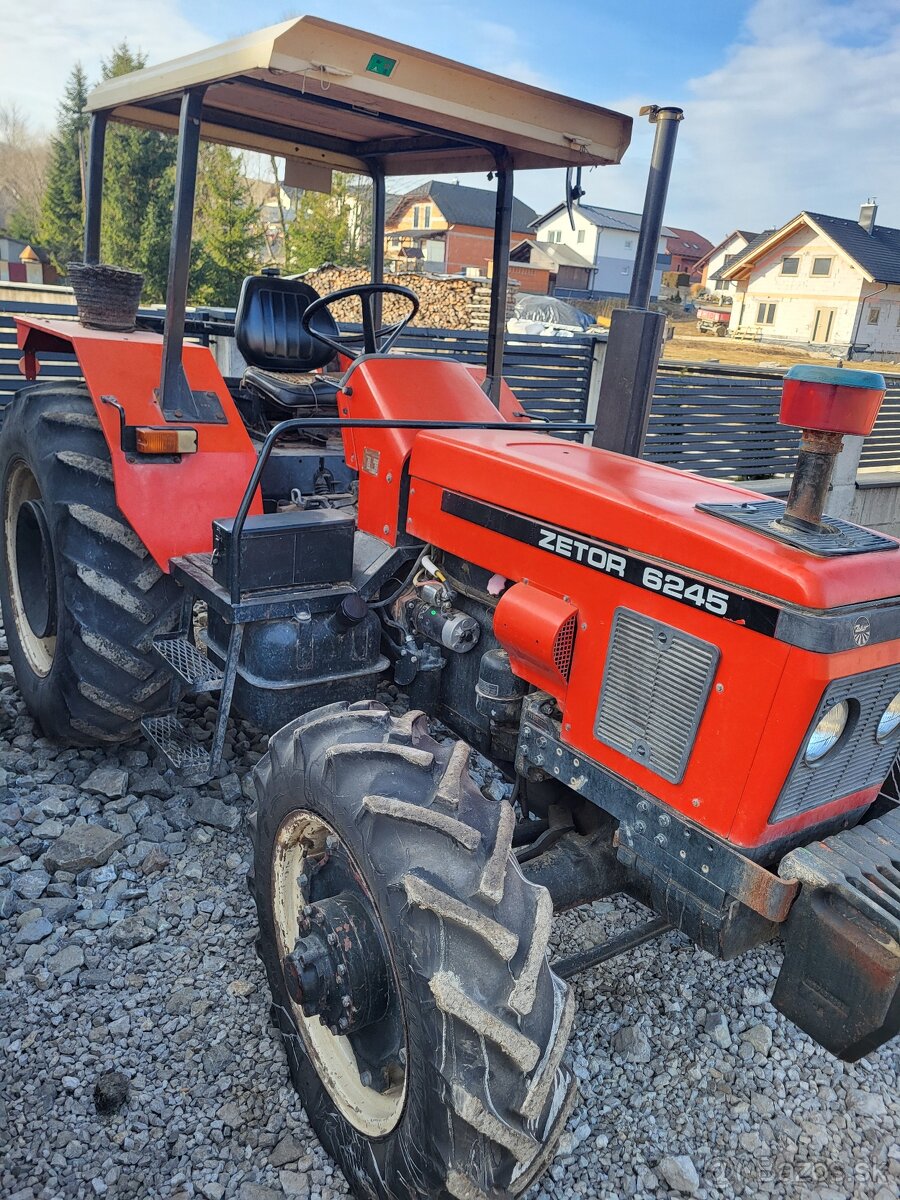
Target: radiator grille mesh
(858, 761)
(564, 645)
(655, 686)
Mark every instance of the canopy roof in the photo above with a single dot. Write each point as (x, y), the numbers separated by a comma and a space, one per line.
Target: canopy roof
(315, 91)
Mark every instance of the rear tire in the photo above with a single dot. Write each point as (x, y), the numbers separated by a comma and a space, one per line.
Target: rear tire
(92, 679)
(485, 1095)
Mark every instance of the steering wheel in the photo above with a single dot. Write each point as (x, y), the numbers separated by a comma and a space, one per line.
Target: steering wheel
(375, 337)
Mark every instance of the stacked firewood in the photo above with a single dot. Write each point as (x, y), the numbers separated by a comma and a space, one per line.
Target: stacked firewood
(444, 303)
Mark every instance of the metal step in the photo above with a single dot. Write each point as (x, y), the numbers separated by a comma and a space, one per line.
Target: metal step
(171, 738)
(194, 669)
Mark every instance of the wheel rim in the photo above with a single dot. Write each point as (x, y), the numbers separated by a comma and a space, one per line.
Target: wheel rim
(30, 569)
(314, 877)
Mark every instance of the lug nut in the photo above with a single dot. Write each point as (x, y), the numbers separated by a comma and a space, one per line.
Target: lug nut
(366, 1079)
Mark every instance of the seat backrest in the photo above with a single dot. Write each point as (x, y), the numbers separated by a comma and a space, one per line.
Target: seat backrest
(267, 325)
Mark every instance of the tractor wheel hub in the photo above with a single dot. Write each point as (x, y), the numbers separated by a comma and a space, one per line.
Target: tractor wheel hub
(337, 970)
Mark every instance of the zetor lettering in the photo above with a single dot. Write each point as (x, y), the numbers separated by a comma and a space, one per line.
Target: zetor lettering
(594, 556)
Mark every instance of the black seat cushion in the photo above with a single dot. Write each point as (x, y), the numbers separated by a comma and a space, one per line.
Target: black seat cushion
(267, 325)
(303, 392)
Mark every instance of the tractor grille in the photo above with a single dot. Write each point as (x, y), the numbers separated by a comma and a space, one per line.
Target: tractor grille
(858, 761)
(655, 686)
(564, 645)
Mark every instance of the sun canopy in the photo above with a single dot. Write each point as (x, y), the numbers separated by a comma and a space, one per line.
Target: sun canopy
(321, 93)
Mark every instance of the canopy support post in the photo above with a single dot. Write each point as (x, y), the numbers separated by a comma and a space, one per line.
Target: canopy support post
(175, 397)
(499, 280)
(93, 199)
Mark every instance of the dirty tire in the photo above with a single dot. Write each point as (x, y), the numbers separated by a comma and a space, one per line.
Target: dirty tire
(486, 1020)
(111, 598)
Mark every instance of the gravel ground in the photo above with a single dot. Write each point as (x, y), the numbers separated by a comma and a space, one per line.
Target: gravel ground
(127, 943)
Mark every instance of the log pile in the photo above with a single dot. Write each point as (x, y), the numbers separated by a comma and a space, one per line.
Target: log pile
(445, 302)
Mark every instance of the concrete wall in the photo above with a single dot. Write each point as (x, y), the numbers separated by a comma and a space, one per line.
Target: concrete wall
(35, 293)
(798, 297)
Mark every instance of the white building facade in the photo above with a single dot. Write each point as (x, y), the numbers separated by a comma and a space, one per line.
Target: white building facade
(822, 281)
(608, 239)
(715, 262)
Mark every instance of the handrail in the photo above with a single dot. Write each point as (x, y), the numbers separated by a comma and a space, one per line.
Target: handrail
(237, 529)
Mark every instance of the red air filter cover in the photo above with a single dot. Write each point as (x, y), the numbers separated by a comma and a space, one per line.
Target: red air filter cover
(833, 399)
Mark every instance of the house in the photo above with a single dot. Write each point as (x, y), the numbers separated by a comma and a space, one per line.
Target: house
(686, 248)
(448, 228)
(543, 267)
(711, 264)
(21, 263)
(607, 238)
(830, 282)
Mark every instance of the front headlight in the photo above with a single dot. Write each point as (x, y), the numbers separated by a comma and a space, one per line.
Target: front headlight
(827, 733)
(890, 719)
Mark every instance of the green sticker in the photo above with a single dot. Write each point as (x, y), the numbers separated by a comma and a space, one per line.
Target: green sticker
(380, 64)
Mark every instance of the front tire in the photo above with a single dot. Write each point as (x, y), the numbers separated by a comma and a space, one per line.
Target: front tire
(81, 596)
(483, 1094)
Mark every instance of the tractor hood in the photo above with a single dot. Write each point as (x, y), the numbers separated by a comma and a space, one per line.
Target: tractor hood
(647, 509)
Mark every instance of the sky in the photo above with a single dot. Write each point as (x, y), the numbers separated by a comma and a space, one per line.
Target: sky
(789, 104)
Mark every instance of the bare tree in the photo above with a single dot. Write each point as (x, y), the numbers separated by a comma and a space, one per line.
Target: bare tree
(24, 154)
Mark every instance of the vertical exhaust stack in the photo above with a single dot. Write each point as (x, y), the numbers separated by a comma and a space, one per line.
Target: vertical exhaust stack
(825, 403)
(635, 333)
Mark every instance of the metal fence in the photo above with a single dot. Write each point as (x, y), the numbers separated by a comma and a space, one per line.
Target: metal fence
(706, 417)
(723, 422)
(720, 423)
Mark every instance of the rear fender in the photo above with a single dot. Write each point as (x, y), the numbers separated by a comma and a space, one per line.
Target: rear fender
(170, 505)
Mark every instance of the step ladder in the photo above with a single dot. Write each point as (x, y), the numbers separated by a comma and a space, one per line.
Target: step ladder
(193, 674)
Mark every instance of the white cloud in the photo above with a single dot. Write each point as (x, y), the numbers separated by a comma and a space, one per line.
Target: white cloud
(43, 43)
(803, 113)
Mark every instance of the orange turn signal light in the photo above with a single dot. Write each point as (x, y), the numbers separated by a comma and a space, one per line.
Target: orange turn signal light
(166, 441)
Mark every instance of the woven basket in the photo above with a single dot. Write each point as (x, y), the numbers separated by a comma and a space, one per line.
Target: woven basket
(107, 297)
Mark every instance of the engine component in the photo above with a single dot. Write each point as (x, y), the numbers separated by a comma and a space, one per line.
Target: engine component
(499, 692)
(449, 627)
(538, 631)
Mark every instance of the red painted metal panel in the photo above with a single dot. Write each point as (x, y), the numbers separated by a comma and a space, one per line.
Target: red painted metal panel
(764, 692)
(171, 506)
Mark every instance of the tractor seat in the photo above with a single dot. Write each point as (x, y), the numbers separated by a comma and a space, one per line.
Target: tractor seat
(308, 393)
(283, 362)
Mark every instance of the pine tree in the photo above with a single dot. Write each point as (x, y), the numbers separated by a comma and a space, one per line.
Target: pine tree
(228, 234)
(138, 191)
(320, 233)
(61, 225)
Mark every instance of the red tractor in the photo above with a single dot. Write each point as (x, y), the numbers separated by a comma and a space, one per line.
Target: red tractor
(695, 692)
